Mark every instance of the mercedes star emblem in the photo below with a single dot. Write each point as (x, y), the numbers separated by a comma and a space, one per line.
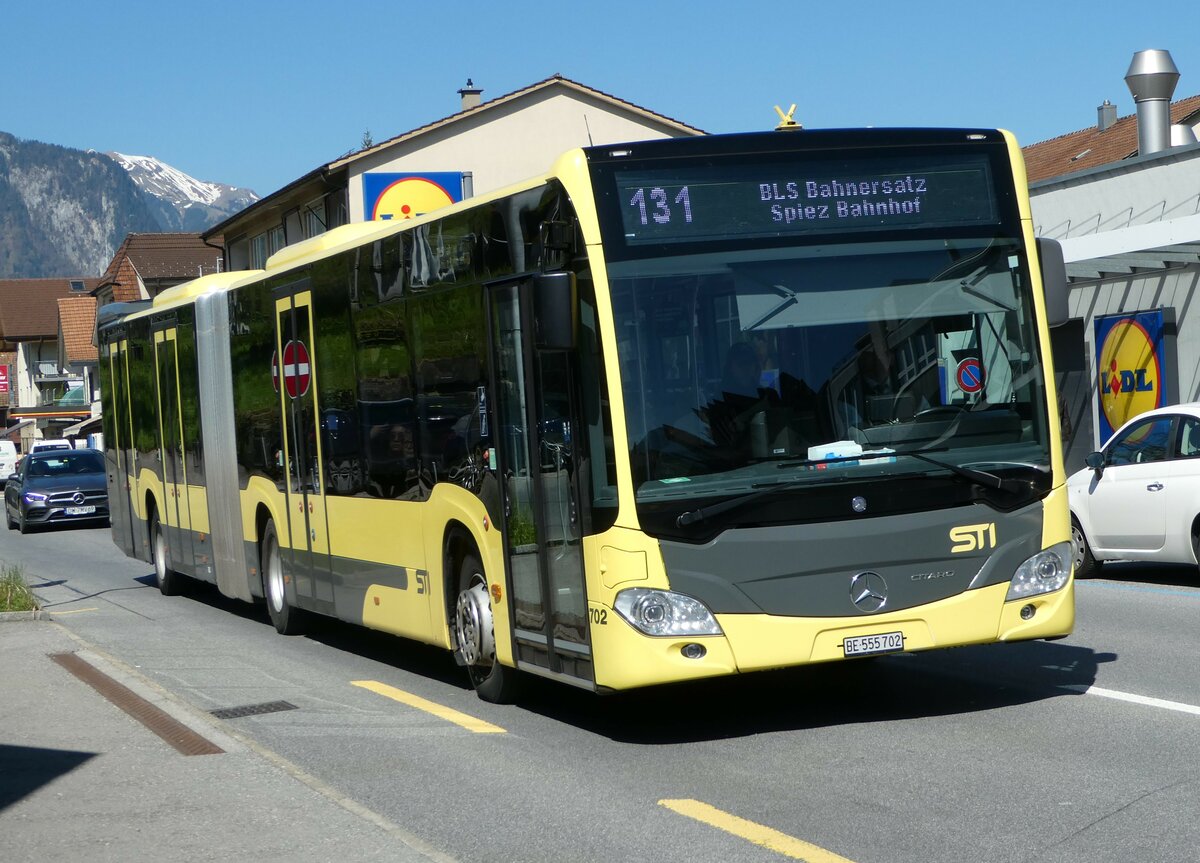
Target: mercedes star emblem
(868, 591)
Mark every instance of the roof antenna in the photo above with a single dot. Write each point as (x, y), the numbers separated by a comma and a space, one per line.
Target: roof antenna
(786, 123)
(589, 130)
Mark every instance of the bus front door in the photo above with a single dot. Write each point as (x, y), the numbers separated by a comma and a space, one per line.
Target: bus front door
(306, 555)
(536, 401)
(175, 513)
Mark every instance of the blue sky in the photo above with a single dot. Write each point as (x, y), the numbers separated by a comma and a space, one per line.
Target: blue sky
(257, 94)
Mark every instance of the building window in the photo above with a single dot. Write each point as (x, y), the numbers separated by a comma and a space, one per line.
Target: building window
(77, 286)
(276, 240)
(258, 252)
(313, 218)
(336, 212)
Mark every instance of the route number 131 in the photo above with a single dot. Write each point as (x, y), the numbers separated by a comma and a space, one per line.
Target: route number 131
(657, 203)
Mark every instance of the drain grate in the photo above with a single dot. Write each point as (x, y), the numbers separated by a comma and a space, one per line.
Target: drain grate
(174, 732)
(253, 709)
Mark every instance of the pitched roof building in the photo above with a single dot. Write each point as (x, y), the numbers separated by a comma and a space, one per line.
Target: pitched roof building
(1112, 139)
(29, 327)
(147, 264)
(1121, 199)
(29, 307)
(484, 146)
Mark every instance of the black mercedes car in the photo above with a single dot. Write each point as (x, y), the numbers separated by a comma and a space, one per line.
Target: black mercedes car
(55, 487)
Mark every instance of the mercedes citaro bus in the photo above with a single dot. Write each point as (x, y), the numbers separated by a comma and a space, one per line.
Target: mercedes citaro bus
(676, 409)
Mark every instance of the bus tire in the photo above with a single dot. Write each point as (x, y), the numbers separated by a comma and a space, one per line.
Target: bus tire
(287, 619)
(476, 638)
(169, 581)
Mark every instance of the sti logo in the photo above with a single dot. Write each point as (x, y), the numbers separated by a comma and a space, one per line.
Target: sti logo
(1130, 377)
(973, 537)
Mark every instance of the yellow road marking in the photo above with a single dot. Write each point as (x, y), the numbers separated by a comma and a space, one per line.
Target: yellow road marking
(470, 723)
(74, 611)
(758, 834)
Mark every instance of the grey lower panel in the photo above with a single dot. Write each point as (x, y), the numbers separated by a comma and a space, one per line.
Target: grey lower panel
(806, 570)
(352, 579)
(349, 580)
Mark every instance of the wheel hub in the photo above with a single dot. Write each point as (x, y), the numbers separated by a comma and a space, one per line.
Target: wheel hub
(473, 626)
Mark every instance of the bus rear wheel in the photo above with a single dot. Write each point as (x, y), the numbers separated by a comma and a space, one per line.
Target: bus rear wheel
(169, 581)
(286, 618)
(476, 638)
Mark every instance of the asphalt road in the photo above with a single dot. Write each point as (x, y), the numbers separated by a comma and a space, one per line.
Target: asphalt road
(1086, 749)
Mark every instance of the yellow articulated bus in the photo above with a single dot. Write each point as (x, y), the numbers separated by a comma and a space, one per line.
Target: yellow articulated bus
(676, 409)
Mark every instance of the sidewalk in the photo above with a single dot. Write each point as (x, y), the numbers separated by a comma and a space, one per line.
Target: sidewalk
(82, 780)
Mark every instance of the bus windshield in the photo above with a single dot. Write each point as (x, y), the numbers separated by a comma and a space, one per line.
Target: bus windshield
(818, 364)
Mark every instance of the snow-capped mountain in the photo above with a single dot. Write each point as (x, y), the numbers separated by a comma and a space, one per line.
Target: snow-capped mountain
(65, 212)
(185, 203)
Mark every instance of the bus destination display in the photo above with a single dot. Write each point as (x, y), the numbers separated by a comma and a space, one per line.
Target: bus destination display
(715, 202)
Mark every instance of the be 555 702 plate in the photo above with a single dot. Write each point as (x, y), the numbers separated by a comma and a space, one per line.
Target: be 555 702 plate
(883, 642)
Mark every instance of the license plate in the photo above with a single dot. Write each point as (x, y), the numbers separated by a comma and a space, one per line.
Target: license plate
(81, 510)
(884, 642)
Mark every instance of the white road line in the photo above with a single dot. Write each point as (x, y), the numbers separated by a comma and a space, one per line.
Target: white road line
(1144, 700)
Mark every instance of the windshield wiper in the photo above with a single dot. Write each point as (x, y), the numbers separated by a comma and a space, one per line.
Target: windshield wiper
(705, 512)
(979, 477)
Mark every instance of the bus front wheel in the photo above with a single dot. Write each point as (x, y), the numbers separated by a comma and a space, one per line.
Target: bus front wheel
(476, 638)
(287, 619)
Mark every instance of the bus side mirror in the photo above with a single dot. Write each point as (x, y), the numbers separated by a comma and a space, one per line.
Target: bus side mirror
(555, 302)
(1054, 281)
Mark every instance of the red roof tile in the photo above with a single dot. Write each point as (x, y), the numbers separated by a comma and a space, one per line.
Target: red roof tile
(158, 257)
(1091, 148)
(77, 319)
(28, 307)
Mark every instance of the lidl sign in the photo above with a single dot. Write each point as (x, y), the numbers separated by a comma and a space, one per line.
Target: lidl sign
(405, 196)
(1135, 364)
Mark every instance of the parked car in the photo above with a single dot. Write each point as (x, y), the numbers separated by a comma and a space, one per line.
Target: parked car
(1139, 496)
(56, 487)
(8, 457)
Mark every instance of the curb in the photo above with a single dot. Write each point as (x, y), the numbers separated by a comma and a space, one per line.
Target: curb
(21, 616)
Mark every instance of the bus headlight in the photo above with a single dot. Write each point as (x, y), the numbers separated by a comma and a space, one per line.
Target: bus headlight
(1045, 572)
(662, 612)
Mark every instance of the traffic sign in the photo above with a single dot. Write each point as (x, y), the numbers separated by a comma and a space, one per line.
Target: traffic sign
(296, 371)
(970, 375)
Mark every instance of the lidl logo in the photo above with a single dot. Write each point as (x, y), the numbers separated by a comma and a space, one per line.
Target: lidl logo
(1130, 372)
(406, 196)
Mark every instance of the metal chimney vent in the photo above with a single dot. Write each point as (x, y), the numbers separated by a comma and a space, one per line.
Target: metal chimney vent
(1106, 115)
(1181, 136)
(1151, 79)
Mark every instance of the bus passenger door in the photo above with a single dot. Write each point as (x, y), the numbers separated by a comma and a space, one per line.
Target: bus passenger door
(294, 374)
(118, 452)
(175, 515)
(536, 405)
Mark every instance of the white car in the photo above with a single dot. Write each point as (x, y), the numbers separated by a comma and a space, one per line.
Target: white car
(1139, 497)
